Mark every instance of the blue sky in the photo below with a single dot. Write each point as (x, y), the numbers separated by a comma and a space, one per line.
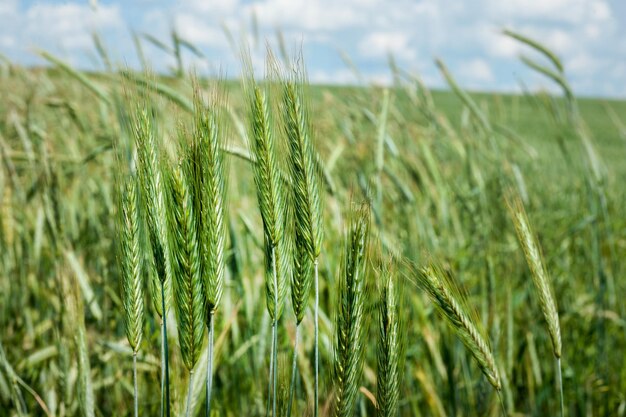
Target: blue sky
(589, 35)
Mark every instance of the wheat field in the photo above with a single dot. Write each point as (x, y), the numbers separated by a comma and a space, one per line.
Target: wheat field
(175, 245)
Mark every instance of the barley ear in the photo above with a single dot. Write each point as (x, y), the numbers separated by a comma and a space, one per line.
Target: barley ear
(350, 324)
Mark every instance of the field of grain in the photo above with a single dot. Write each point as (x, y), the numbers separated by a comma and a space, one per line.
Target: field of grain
(466, 249)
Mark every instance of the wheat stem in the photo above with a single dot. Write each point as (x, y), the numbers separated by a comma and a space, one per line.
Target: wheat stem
(189, 393)
(559, 377)
(316, 348)
(501, 400)
(162, 372)
(271, 373)
(275, 333)
(135, 390)
(209, 371)
(294, 369)
(165, 367)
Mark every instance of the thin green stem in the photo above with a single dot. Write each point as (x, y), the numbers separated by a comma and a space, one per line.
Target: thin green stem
(316, 347)
(165, 367)
(135, 391)
(275, 334)
(162, 371)
(501, 402)
(294, 369)
(269, 380)
(189, 393)
(209, 368)
(560, 380)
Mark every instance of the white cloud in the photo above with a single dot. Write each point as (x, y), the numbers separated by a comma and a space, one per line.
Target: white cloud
(306, 15)
(380, 44)
(214, 7)
(7, 41)
(570, 11)
(496, 44)
(69, 25)
(198, 31)
(583, 64)
(8, 7)
(476, 70)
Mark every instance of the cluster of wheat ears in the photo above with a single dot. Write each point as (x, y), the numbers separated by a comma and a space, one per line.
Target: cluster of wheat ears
(172, 230)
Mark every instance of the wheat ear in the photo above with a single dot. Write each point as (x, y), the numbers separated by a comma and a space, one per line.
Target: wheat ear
(153, 195)
(389, 344)
(307, 211)
(350, 326)
(446, 297)
(186, 270)
(541, 281)
(209, 182)
(273, 211)
(131, 272)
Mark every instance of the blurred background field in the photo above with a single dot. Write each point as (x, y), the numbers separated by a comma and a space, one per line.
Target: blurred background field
(449, 159)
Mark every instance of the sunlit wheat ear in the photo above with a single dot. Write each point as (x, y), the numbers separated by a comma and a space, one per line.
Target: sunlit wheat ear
(305, 192)
(539, 274)
(451, 305)
(186, 269)
(304, 174)
(273, 207)
(150, 164)
(307, 205)
(131, 272)
(131, 263)
(390, 344)
(209, 171)
(271, 200)
(350, 321)
(210, 180)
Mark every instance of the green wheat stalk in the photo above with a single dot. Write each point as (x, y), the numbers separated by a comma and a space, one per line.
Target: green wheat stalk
(131, 269)
(150, 161)
(272, 206)
(349, 349)
(390, 345)
(209, 178)
(534, 259)
(307, 209)
(186, 271)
